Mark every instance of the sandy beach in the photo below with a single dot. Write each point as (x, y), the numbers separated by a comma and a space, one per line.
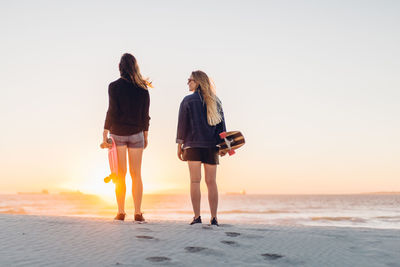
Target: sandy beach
(28, 240)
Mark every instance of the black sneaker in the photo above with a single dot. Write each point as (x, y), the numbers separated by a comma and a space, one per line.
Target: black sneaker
(139, 217)
(196, 220)
(120, 217)
(214, 222)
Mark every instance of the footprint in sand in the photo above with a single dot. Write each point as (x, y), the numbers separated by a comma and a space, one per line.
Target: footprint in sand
(144, 229)
(194, 249)
(144, 237)
(263, 230)
(158, 259)
(232, 234)
(253, 236)
(271, 256)
(230, 243)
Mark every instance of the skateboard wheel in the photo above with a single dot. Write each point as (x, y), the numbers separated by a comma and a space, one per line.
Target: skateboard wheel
(107, 179)
(231, 152)
(113, 178)
(222, 135)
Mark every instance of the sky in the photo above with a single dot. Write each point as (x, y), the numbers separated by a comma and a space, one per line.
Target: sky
(312, 85)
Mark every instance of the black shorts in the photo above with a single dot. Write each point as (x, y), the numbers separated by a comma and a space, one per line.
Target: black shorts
(207, 155)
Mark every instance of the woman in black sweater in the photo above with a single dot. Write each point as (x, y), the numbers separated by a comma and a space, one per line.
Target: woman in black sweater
(127, 121)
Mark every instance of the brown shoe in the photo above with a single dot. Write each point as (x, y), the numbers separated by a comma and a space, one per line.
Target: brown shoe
(120, 217)
(139, 217)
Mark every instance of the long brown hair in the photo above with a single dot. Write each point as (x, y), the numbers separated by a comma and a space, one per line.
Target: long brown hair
(129, 68)
(207, 91)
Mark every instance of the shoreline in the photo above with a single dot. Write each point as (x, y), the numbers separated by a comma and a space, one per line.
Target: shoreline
(69, 241)
(376, 212)
(129, 219)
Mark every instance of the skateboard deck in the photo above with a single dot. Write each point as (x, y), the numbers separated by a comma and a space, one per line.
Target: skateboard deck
(113, 161)
(230, 142)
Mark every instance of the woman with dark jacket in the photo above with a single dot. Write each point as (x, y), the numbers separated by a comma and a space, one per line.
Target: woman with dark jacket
(201, 119)
(127, 121)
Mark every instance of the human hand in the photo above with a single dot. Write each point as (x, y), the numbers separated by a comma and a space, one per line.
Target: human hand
(180, 152)
(105, 144)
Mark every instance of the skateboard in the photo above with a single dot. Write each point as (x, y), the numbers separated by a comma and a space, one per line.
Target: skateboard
(231, 141)
(113, 160)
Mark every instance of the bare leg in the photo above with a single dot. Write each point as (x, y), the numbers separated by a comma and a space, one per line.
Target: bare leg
(135, 169)
(195, 178)
(210, 172)
(120, 186)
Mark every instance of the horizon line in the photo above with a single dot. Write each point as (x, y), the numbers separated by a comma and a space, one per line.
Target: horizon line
(78, 192)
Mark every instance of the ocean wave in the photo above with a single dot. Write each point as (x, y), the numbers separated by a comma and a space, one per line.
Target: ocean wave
(228, 211)
(387, 217)
(255, 211)
(391, 219)
(12, 210)
(337, 219)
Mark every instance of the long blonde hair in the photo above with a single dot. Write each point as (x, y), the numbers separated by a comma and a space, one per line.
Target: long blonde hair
(207, 91)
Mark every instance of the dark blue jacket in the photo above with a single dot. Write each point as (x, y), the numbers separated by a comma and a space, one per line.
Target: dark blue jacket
(193, 128)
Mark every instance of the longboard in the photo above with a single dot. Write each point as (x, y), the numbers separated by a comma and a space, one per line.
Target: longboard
(112, 160)
(230, 142)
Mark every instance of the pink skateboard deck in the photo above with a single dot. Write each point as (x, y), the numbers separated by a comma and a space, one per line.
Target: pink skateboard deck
(113, 160)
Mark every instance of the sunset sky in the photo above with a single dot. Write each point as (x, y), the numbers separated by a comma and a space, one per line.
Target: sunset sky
(313, 85)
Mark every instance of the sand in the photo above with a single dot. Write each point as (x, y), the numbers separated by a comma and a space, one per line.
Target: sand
(27, 240)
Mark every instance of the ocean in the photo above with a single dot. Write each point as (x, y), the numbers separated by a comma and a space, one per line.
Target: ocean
(380, 211)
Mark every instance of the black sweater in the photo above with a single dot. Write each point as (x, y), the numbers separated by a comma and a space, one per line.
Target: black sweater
(128, 109)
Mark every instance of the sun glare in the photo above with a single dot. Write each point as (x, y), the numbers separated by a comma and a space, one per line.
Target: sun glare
(107, 190)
